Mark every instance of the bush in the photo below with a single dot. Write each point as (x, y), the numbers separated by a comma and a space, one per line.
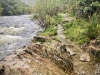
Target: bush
(93, 29)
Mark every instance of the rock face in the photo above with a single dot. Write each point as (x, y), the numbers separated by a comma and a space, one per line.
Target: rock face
(35, 59)
(93, 47)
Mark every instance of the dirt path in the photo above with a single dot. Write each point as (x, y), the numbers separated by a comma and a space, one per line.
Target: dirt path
(85, 67)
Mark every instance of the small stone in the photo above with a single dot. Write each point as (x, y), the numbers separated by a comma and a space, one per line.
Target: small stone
(85, 57)
(70, 51)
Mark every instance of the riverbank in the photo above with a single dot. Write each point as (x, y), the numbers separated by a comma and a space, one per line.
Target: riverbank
(51, 53)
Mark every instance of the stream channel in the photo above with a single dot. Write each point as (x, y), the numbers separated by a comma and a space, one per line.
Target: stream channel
(15, 32)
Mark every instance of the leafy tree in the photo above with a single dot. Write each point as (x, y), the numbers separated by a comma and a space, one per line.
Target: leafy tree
(13, 7)
(89, 7)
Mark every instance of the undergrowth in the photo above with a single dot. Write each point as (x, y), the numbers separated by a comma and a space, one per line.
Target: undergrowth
(75, 31)
(82, 30)
(78, 31)
(51, 30)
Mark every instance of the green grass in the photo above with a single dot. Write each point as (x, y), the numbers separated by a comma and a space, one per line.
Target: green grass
(78, 31)
(94, 27)
(75, 31)
(51, 30)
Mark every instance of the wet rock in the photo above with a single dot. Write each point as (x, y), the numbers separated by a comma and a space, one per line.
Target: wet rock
(63, 48)
(40, 39)
(1, 33)
(85, 57)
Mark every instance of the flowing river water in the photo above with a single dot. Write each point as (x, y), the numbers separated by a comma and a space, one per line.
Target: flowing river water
(16, 31)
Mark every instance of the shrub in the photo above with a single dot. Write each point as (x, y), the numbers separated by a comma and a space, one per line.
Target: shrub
(46, 9)
(75, 31)
(93, 28)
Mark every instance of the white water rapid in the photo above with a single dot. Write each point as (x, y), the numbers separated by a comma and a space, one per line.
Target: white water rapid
(16, 31)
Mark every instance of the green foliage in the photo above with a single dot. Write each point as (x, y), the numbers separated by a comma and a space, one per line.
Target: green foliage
(1, 9)
(89, 7)
(71, 6)
(48, 8)
(75, 31)
(79, 31)
(50, 31)
(13, 7)
(55, 20)
(94, 27)
(82, 30)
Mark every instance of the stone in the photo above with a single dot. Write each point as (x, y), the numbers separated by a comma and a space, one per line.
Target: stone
(85, 57)
(97, 71)
(70, 51)
(39, 39)
(1, 33)
(63, 48)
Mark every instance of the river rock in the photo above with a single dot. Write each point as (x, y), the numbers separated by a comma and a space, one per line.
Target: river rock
(85, 57)
(35, 59)
(40, 38)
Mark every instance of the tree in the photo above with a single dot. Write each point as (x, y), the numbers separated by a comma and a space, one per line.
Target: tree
(13, 7)
(89, 7)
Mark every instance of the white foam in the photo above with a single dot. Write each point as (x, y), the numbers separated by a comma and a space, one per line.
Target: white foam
(15, 30)
(10, 39)
(12, 30)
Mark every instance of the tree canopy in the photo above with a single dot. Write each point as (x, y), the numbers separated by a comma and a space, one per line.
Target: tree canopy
(89, 7)
(13, 7)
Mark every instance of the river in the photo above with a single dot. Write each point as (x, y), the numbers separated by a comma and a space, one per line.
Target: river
(16, 31)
